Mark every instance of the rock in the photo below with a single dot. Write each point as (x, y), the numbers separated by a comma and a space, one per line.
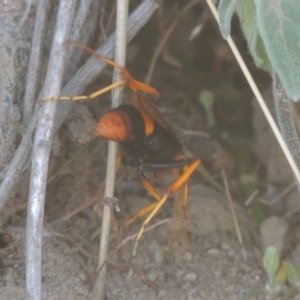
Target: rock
(157, 251)
(188, 256)
(274, 232)
(190, 277)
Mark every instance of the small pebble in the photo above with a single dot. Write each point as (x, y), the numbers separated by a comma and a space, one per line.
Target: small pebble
(225, 246)
(186, 287)
(218, 273)
(190, 277)
(82, 276)
(159, 256)
(161, 276)
(179, 273)
(214, 251)
(129, 274)
(149, 266)
(152, 276)
(233, 254)
(155, 248)
(188, 256)
(161, 294)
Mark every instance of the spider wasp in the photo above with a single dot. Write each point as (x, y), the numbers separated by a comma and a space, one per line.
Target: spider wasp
(147, 140)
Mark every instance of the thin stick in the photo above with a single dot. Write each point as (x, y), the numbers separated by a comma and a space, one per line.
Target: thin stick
(283, 193)
(251, 197)
(78, 83)
(32, 78)
(259, 98)
(236, 224)
(120, 58)
(41, 152)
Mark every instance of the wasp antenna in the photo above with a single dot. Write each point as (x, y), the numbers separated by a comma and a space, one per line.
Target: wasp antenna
(96, 55)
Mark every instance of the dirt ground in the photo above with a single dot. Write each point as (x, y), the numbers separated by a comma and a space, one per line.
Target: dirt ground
(194, 259)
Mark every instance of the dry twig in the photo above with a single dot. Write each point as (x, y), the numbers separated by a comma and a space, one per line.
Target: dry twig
(236, 224)
(120, 58)
(41, 152)
(35, 60)
(121, 40)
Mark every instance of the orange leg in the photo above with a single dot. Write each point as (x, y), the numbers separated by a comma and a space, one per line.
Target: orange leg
(149, 187)
(171, 189)
(145, 210)
(154, 193)
(128, 80)
(132, 83)
(180, 208)
(184, 200)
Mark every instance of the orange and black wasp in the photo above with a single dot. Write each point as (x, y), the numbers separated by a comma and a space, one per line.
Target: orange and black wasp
(147, 140)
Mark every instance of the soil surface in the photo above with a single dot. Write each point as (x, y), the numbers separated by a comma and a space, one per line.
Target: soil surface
(178, 259)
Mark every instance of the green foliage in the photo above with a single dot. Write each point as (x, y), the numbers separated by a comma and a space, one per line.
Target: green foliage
(271, 261)
(246, 12)
(278, 274)
(293, 273)
(272, 30)
(279, 25)
(207, 99)
(226, 11)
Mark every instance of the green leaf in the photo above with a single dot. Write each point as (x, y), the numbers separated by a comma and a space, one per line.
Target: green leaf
(271, 260)
(247, 15)
(279, 26)
(293, 273)
(226, 10)
(207, 99)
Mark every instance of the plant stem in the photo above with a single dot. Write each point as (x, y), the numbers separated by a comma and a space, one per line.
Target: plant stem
(41, 152)
(120, 58)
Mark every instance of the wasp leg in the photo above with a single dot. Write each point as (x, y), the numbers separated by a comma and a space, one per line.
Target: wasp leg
(86, 97)
(131, 83)
(152, 191)
(181, 197)
(128, 80)
(171, 189)
(178, 229)
(145, 210)
(148, 186)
